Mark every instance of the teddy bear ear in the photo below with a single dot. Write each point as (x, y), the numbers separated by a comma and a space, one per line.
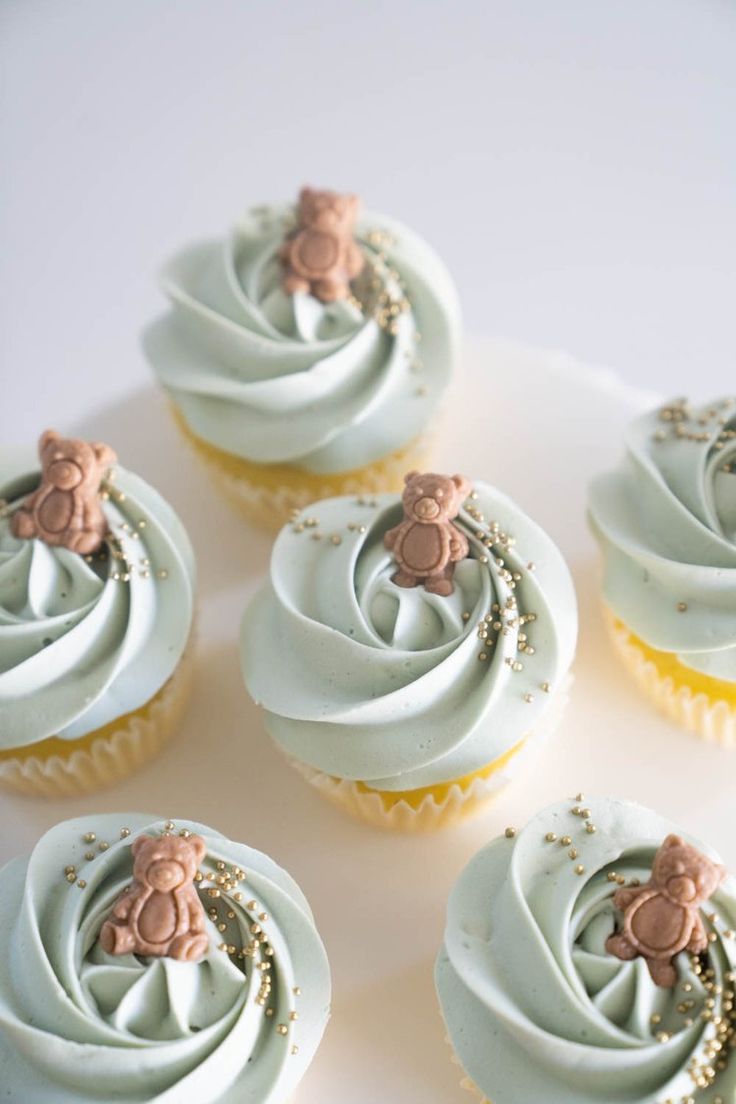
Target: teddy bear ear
(199, 846)
(305, 192)
(461, 483)
(674, 841)
(47, 437)
(139, 843)
(104, 454)
(410, 475)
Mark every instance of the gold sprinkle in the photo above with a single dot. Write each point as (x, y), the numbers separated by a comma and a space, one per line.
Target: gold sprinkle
(124, 833)
(580, 869)
(510, 833)
(565, 841)
(282, 1029)
(103, 846)
(169, 826)
(551, 837)
(295, 1050)
(90, 837)
(82, 884)
(682, 607)
(335, 539)
(297, 991)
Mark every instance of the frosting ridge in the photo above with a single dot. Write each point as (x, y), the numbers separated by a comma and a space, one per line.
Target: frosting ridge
(278, 378)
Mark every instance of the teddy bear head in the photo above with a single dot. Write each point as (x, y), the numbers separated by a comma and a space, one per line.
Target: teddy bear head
(684, 874)
(166, 862)
(328, 211)
(69, 464)
(429, 498)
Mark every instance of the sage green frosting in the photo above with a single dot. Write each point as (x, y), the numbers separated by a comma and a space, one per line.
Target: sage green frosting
(84, 640)
(365, 680)
(536, 1008)
(276, 378)
(77, 1024)
(666, 523)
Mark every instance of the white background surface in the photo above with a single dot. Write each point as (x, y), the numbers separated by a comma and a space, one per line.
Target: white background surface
(574, 162)
(575, 165)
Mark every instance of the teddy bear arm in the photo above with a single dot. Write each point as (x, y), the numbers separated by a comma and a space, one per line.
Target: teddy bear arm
(123, 907)
(195, 916)
(390, 538)
(625, 897)
(354, 260)
(459, 546)
(698, 940)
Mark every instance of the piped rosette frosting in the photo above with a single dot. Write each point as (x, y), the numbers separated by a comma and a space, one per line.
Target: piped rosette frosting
(85, 639)
(273, 377)
(666, 523)
(535, 1005)
(79, 1024)
(397, 687)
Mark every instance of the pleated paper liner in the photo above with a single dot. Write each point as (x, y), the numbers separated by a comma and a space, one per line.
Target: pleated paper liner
(435, 807)
(269, 494)
(703, 705)
(465, 1082)
(55, 767)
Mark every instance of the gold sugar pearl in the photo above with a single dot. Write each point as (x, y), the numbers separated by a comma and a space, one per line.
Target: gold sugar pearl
(510, 833)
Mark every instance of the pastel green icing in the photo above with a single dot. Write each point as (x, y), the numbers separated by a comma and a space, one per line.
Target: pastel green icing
(78, 647)
(275, 378)
(666, 523)
(77, 1024)
(366, 680)
(535, 1007)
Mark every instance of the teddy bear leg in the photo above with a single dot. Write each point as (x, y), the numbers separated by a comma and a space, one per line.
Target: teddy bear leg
(329, 290)
(190, 947)
(441, 584)
(621, 947)
(84, 542)
(663, 972)
(404, 579)
(23, 526)
(293, 284)
(116, 938)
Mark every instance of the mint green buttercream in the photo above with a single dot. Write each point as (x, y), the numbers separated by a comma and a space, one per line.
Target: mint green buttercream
(79, 1025)
(536, 1008)
(275, 378)
(666, 523)
(365, 680)
(85, 640)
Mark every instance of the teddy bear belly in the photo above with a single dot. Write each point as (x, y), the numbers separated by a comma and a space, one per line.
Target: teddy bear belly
(659, 926)
(421, 549)
(157, 919)
(317, 252)
(56, 511)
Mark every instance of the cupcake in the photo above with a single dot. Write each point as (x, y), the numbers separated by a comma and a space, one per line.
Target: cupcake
(589, 959)
(666, 524)
(96, 603)
(307, 356)
(406, 648)
(151, 961)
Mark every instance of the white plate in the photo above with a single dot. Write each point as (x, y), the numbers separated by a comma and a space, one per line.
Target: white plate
(538, 425)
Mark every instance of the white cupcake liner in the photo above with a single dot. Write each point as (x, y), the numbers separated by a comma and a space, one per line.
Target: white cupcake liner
(459, 802)
(712, 719)
(111, 757)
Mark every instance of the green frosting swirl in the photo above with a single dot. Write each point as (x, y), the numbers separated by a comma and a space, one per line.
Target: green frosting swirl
(399, 688)
(536, 1008)
(666, 523)
(77, 1024)
(85, 640)
(275, 378)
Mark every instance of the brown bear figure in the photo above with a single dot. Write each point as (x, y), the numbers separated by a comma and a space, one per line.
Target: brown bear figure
(662, 919)
(321, 257)
(426, 545)
(160, 913)
(65, 510)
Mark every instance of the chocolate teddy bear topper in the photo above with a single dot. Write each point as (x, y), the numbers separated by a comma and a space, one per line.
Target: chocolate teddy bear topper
(65, 510)
(160, 913)
(321, 256)
(662, 919)
(426, 545)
